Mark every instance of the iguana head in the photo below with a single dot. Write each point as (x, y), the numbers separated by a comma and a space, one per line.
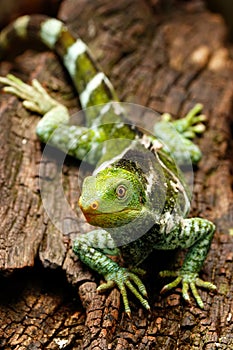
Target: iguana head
(112, 198)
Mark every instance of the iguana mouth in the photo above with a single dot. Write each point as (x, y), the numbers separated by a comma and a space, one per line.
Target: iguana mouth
(108, 213)
(109, 219)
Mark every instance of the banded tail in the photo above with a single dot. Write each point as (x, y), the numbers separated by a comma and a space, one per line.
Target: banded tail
(91, 83)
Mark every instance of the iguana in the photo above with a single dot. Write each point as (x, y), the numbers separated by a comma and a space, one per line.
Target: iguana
(137, 195)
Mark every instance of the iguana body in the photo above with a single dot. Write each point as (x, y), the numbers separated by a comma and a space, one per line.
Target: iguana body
(137, 194)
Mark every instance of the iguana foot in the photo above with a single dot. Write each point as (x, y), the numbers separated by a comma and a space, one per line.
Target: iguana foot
(35, 97)
(188, 280)
(123, 278)
(191, 124)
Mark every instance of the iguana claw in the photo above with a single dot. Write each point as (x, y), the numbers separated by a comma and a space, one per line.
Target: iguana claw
(188, 280)
(35, 97)
(123, 278)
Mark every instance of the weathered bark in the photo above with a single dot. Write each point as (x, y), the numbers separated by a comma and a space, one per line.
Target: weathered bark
(163, 58)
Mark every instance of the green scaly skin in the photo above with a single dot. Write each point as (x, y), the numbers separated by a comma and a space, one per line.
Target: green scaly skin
(137, 194)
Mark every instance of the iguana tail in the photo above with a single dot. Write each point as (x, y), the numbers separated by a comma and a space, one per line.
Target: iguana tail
(91, 83)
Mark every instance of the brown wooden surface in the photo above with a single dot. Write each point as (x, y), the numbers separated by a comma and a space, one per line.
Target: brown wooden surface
(12, 9)
(166, 58)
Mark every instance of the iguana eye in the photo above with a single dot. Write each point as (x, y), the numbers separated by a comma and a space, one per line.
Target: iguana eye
(121, 191)
(94, 205)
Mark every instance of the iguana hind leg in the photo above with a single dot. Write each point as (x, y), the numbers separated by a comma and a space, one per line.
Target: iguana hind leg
(177, 134)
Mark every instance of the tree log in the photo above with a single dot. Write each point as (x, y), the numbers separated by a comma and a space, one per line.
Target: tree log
(163, 57)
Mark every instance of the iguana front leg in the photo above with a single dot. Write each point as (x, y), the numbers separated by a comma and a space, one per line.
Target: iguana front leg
(195, 234)
(91, 249)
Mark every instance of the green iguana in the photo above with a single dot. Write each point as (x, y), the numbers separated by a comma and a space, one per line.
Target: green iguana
(137, 195)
